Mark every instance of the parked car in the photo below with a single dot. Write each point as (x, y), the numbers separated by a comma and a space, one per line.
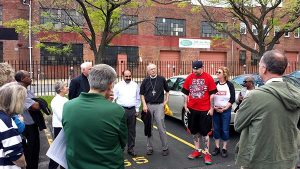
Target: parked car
(295, 74)
(176, 98)
(240, 79)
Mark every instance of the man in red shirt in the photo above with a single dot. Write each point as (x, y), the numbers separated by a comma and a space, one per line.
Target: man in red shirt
(198, 89)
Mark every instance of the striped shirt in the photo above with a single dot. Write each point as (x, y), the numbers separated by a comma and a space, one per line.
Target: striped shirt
(10, 142)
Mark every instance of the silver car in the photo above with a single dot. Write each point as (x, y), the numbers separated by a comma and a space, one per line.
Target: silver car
(176, 98)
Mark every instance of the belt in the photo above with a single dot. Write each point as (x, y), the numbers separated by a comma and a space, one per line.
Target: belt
(128, 107)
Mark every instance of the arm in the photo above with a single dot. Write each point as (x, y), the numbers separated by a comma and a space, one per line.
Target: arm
(245, 114)
(211, 110)
(137, 100)
(123, 131)
(145, 108)
(166, 88)
(73, 89)
(116, 93)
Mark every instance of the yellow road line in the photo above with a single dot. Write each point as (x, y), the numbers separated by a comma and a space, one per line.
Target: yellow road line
(48, 134)
(175, 137)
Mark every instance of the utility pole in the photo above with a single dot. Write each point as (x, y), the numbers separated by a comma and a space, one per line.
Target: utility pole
(29, 36)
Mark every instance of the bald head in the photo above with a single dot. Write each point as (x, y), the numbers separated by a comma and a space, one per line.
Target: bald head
(274, 61)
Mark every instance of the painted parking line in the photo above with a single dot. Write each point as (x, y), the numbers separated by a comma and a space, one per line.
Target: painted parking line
(173, 136)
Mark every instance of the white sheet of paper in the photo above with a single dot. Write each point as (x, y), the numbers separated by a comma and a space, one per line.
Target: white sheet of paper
(57, 150)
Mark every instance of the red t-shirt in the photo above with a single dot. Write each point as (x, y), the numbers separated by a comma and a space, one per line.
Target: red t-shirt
(198, 88)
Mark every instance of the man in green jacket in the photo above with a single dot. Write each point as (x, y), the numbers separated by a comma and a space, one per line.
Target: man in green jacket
(267, 119)
(95, 128)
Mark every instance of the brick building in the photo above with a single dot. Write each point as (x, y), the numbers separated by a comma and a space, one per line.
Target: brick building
(173, 27)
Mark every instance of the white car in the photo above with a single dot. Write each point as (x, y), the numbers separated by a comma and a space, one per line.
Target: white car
(176, 98)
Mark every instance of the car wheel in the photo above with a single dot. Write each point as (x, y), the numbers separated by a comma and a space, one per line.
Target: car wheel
(185, 118)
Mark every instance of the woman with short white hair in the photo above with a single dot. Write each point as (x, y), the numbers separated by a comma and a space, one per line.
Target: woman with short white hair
(57, 104)
(12, 97)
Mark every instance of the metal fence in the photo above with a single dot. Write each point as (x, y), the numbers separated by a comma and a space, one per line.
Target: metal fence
(46, 75)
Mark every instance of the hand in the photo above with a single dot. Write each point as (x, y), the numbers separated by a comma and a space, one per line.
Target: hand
(165, 102)
(210, 112)
(145, 108)
(187, 110)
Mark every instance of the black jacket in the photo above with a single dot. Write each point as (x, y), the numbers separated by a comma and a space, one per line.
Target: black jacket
(146, 118)
(37, 115)
(77, 85)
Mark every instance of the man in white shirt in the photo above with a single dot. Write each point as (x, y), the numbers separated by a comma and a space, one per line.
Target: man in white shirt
(127, 95)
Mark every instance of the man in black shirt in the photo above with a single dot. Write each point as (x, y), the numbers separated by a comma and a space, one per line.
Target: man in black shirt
(152, 95)
(80, 83)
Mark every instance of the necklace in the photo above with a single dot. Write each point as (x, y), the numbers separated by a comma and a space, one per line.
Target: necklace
(153, 87)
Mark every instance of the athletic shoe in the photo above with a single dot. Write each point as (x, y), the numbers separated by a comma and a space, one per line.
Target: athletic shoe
(216, 151)
(207, 159)
(194, 154)
(224, 153)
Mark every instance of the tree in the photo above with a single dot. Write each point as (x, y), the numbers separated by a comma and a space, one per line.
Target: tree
(258, 17)
(101, 20)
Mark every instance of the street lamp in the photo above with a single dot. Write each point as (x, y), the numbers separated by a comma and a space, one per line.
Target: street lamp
(29, 36)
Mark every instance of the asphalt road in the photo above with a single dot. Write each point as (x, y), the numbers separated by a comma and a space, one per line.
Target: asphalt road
(180, 145)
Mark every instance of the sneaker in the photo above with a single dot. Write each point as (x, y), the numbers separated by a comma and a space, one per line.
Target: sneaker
(165, 152)
(207, 159)
(194, 154)
(224, 153)
(149, 152)
(216, 151)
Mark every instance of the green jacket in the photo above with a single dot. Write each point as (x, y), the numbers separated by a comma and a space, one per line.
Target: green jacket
(267, 120)
(96, 132)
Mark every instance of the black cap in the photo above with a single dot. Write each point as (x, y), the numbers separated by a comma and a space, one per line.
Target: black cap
(197, 64)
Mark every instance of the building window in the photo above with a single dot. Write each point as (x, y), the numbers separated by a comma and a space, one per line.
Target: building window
(276, 30)
(1, 51)
(254, 30)
(297, 33)
(126, 20)
(208, 31)
(74, 57)
(61, 18)
(170, 27)
(286, 34)
(243, 29)
(1, 15)
(266, 30)
(111, 55)
(242, 57)
(254, 59)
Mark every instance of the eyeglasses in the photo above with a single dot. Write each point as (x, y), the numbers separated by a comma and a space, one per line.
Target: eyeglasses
(218, 72)
(246, 81)
(127, 76)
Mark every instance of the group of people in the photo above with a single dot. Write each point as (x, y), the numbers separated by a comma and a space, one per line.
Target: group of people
(20, 120)
(99, 119)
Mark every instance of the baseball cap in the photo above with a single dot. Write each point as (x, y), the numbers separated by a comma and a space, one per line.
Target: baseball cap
(197, 64)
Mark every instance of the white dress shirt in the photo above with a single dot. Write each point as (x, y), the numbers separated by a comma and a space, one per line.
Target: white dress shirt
(127, 94)
(57, 105)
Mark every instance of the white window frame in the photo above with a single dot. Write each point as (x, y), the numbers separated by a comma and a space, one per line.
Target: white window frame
(243, 29)
(297, 33)
(254, 30)
(287, 34)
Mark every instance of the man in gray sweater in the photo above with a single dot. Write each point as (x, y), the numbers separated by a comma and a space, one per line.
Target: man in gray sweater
(267, 119)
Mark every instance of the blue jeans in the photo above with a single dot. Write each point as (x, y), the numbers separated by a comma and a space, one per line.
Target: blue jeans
(221, 123)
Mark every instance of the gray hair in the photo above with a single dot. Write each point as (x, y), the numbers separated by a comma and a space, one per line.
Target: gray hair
(101, 76)
(12, 98)
(6, 73)
(150, 66)
(275, 61)
(85, 65)
(59, 86)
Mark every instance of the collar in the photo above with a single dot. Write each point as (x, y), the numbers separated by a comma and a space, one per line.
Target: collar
(278, 79)
(153, 77)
